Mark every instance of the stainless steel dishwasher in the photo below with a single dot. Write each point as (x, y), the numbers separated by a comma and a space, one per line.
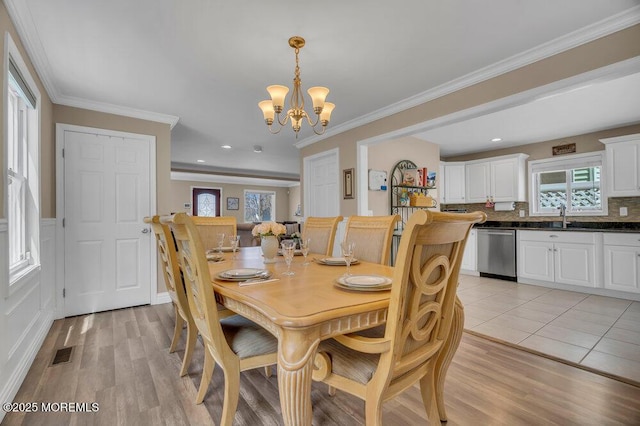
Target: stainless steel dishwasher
(497, 253)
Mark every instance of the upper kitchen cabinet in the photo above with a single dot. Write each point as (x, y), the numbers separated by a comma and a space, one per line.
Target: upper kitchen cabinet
(453, 190)
(496, 179)
(623, 165)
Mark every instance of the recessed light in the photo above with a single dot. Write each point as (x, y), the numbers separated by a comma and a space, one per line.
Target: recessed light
(225, 146)
(257, 148)
(496, 139)
(199, 161)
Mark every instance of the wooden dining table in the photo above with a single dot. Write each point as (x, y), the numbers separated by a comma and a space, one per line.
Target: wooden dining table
(301, 310)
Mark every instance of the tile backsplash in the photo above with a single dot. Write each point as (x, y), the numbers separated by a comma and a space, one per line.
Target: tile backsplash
(631, 203)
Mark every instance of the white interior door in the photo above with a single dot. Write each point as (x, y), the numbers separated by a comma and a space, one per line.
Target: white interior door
(107, 245)
(322, 189)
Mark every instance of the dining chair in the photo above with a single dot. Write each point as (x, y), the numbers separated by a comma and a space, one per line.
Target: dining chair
(372, 237)
(210, 227)
(380, 363)
(235, 343)
(322, 232)
(176, 289)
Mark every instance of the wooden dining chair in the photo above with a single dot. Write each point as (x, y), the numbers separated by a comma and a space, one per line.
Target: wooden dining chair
(372, 237)
(210, 227)
(380, 363)
(235, 343)
(175, 288)
(322, 232)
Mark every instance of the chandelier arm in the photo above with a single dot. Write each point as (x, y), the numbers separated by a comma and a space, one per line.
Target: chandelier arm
(283, 122)
(317, 132)
(314, 123)
(274, 132)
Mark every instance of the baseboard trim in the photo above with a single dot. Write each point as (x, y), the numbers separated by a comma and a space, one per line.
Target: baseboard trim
(161, 298)
(10, 389)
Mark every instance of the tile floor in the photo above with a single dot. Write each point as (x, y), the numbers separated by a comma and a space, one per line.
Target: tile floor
(595, 331)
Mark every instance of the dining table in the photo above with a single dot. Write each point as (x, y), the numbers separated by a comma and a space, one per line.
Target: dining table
(303, 309)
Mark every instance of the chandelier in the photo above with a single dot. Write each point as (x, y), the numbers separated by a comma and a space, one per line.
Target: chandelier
(296, 113)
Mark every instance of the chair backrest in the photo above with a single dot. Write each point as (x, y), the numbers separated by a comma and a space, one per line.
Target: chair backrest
(210, 227)
(424, 291)
(372, 236)
(322, 231)
(170, 266)
(197, 279)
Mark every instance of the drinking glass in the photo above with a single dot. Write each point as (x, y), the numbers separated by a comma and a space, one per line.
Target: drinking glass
(347, 253)
(288, 249)
(304, 248)
(220, 242)
(233, 242)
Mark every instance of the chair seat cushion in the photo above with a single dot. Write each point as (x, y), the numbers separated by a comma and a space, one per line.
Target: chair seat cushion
(352, 364)
(246, 338)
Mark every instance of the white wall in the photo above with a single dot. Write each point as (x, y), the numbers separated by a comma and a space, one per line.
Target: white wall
(26, 315)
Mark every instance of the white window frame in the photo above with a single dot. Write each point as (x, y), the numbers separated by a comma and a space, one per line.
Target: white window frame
(576, 161)
(257, 191)
(29, 159)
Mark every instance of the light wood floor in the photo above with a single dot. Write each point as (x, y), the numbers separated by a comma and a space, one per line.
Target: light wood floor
(121, 361)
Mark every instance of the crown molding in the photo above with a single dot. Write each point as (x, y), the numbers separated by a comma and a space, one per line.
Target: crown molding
(236, 180)
(21, 17)
(171, 120)
(561, 44)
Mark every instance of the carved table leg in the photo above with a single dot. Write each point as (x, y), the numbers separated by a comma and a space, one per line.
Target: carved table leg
(295, 366)
(446, 355)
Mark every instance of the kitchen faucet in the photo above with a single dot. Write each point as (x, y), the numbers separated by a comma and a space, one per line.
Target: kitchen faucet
(563, 213)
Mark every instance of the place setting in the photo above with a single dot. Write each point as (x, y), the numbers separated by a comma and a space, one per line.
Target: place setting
(246, 276)
(364, 282)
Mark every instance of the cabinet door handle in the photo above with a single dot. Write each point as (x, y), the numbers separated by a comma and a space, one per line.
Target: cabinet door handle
(553, 236)
(550, 249)
(555, 250)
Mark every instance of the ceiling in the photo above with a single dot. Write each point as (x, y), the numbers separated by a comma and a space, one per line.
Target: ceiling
(206, 63)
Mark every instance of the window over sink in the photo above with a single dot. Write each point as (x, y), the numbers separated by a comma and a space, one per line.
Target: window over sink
(575, 182)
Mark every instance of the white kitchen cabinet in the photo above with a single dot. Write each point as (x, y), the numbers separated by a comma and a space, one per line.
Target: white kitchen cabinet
(496, 179)
(622, 262)
(470, 255)
(623, 165)
(453, 191)
(558, 257)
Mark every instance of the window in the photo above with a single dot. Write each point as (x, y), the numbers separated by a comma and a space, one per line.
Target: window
(259, 206)
(22, 150)
(573, 181)
(206, 202)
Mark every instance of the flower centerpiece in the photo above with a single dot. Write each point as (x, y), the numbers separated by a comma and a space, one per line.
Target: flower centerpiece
(268, 233)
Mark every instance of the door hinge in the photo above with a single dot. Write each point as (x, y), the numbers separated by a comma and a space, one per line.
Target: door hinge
(64, 292)
(63, 222)
(62, 152)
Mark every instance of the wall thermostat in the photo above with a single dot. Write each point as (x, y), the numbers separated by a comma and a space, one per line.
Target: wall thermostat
(377, 180)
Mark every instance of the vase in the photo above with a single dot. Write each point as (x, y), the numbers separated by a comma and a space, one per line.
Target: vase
(269, 245)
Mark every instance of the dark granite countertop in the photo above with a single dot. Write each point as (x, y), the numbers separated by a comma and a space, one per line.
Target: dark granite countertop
(572, 226)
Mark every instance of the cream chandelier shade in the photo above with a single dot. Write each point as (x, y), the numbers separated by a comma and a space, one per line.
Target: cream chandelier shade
(296, 113)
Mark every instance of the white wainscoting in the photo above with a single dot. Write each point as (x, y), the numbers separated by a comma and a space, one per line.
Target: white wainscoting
(27, 314)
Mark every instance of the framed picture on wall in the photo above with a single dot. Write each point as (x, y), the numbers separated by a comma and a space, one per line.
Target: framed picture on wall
(233, 203)
(347, 183)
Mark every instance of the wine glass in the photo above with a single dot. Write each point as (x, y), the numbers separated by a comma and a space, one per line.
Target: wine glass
(233, 242)
(347, 253)
(288, 249)
(220, 236)
(304, 248)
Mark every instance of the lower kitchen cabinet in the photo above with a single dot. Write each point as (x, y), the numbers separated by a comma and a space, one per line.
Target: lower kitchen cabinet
(470, 256)
(622, 262)
(558, 257)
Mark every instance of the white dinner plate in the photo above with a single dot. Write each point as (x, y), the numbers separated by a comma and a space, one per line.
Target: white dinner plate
(335, 261)
(354, 288)
(242, 273)
(366, 280)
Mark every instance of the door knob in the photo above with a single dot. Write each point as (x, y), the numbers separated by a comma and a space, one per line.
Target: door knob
(145, 230)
